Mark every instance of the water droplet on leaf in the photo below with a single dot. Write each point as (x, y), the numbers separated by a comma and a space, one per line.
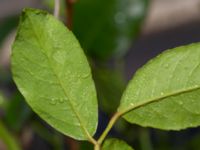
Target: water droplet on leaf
(53, 101)
(180, 102)
(166, 66)
(86, 75)
(61, 100)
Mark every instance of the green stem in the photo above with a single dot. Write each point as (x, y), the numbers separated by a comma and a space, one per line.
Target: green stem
(7, 138)
(97, 147)
(109, 127)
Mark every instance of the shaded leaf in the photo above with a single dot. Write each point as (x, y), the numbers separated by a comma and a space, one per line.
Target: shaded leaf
(165, 92)
(115, 144)
(107, 27)
(52, 73)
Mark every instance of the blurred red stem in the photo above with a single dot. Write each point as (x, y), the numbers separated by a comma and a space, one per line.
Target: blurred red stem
(69, 12)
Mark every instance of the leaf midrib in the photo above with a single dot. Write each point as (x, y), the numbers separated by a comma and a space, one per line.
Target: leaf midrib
(85, 131)
(157, 99)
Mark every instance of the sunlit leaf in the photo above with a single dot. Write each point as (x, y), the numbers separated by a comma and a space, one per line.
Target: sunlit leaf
(165, 92)
(52, 73)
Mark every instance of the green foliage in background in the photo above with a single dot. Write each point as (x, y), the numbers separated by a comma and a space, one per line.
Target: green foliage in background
(114, 24)
(108, 27)
(6, 26)
(17, 112)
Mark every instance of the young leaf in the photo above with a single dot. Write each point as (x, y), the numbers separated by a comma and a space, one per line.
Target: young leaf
(165, 93)
(115, 144)
(52, 73)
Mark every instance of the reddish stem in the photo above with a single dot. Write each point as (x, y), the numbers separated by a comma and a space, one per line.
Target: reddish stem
(69, 12)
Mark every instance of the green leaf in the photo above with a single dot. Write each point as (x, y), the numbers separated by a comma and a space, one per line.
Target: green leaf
(107, 27)
(165, 92)
(115, 144)
(52, 73)
(8, 139)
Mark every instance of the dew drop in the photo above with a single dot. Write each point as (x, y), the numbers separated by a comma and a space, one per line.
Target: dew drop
(166, 66)
(180, 102)
(60, 57)
(161, 93)
(78, 75)
(85, 75)
(61, 100)
(53, 101)
(132, 104)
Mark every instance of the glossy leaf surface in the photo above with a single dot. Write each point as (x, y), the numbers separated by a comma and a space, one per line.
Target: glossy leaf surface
(115, 144)
(52, 73)
(165, 93)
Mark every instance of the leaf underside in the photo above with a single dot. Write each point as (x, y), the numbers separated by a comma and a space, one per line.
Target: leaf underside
(52, 73)
(115, 144)
(165, 93)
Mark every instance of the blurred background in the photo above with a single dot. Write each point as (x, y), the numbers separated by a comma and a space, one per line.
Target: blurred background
(118, 37)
